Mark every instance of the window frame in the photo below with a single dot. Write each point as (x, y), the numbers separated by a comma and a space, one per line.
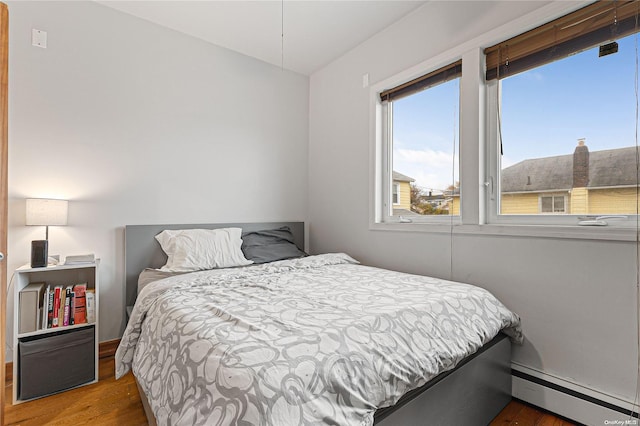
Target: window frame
(383, 152)
(493, 167)
(493, 193)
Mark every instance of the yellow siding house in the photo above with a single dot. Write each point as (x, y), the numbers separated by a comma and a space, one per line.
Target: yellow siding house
(401, 194)
(594, 183)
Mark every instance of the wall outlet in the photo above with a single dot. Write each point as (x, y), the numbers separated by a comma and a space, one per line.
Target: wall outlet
(365, 80)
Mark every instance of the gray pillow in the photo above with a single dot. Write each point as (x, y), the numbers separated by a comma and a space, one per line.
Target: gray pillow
(270, 245)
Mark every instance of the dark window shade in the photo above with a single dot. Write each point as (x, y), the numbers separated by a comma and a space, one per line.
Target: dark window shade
(572, 33)
(424, 82)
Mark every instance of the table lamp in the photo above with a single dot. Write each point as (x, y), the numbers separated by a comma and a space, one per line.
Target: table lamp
(44, 212)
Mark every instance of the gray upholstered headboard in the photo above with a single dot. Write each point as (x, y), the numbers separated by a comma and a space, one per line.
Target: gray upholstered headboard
(143, 251)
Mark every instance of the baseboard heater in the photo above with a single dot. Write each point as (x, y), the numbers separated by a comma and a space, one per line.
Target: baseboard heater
(570, 403)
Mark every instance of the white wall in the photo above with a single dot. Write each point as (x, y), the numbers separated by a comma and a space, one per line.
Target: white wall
(135, 123)
(576, 297)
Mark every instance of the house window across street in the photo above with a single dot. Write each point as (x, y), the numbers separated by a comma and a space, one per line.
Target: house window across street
(552, 204)
(396, 193)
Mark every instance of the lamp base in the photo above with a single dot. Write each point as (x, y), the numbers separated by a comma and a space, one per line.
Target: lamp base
(39, 253)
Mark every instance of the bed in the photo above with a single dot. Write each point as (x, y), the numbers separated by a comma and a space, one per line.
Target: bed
(311, 340)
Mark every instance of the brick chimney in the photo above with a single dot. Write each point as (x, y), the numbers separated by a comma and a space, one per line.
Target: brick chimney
(581, 165)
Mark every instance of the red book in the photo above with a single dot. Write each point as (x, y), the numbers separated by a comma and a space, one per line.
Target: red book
(56, 306)
(80, 304)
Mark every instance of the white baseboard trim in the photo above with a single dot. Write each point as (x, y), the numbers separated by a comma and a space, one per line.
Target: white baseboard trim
(570, 400)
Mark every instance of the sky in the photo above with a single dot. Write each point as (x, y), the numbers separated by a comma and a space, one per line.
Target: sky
(425, 130)
(544, 112)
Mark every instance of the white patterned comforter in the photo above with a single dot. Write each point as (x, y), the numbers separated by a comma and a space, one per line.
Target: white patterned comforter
(316, 340)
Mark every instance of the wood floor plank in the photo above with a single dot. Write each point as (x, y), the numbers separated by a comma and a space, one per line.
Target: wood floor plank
(529, 416)
(549, 420)
(517, 413)
(117, 402)
(508, 415)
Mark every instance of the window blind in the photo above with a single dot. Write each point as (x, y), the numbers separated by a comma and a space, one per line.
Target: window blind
(424, 82)
(585, 28)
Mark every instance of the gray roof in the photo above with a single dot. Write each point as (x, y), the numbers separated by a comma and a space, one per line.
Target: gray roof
(402, 178)
(611, 167)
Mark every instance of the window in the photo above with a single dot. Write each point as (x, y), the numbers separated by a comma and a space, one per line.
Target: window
(419, 158)
(396, 193)
(552, 204)
(558, 143)
(562, 108)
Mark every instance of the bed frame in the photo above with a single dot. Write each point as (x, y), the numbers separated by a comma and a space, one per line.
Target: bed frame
(471, 394)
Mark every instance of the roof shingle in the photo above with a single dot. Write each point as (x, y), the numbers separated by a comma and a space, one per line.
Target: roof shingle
(402, 178)
(611, 167)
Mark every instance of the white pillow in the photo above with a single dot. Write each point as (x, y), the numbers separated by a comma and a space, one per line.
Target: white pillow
(198, 249)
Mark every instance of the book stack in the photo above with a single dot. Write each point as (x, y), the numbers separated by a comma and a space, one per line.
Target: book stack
(67, 306)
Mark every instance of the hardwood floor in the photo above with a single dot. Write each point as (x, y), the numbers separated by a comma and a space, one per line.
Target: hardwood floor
(517, 413)
(111, 402)
(108, 402)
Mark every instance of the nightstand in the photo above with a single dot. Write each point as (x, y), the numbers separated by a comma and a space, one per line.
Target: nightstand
(52, 360)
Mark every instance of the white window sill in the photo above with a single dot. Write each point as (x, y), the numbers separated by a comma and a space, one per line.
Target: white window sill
(608, 233)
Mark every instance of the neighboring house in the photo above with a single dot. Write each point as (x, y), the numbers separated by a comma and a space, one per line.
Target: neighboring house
(437, 200)
(452, 197)
(401, 197)
(444, 201)
(401, 194)
(599, 182)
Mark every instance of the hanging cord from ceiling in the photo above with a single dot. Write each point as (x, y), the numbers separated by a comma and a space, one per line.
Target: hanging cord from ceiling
(453, 185)
(281, 35)
(498, 83)
(637, 246)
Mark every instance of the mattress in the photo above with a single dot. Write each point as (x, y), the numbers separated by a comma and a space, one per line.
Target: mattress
(315, 340)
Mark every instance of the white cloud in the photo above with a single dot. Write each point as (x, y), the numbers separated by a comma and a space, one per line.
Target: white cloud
(431, 169)
(428, 157)
(534, 75)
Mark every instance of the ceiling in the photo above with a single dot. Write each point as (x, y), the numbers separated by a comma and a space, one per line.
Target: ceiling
(315, 32)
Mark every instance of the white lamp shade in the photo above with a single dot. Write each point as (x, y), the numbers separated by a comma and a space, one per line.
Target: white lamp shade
(47, 212)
